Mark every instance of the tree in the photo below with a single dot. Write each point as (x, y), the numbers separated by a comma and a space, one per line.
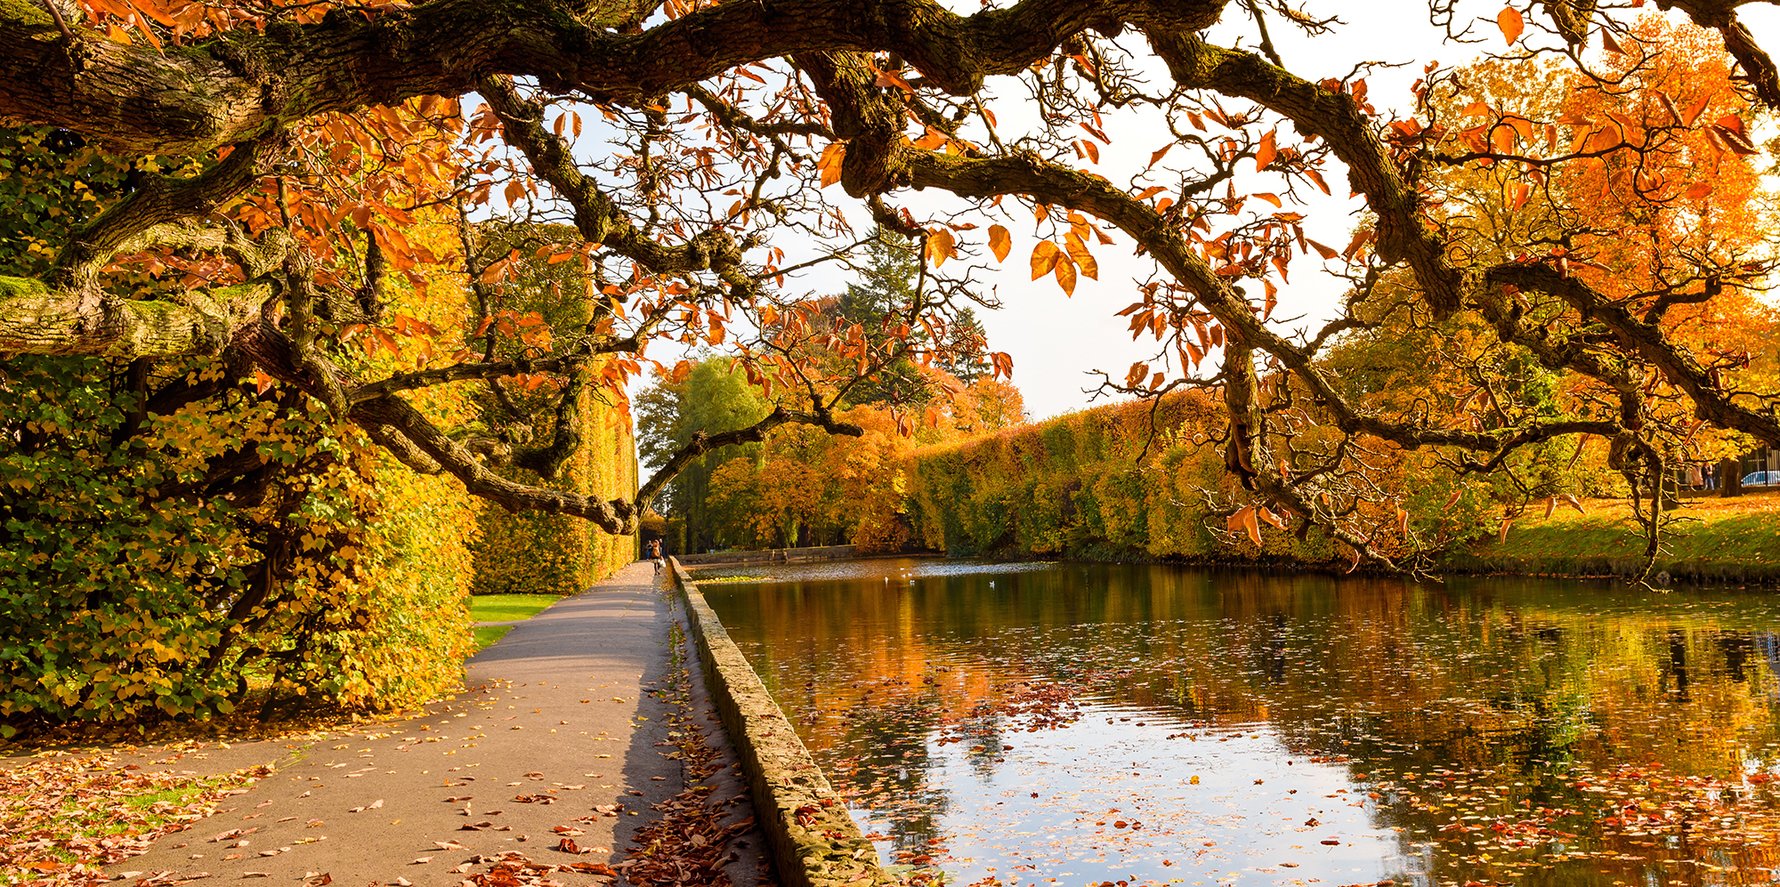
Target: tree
(711, 400)
(798, 485)
(967, 348)
(302, 138)
(1671, 225)
(886, 291)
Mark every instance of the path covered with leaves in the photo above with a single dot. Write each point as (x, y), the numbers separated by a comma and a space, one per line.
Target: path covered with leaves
(584, 727)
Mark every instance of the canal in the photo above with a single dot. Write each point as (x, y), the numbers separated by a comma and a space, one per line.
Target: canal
(1060, 723)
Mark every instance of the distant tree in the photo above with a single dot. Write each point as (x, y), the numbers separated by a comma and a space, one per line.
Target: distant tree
(712, 399)
(1670, 228)
(986, 405)
(885, 294)
(966, 351)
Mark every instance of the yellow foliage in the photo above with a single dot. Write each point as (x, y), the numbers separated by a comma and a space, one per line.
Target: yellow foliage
(551, 553)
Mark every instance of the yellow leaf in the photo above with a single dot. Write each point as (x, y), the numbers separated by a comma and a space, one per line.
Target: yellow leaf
(941, 245)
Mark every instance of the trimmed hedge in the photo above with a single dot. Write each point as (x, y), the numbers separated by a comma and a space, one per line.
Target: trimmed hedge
(533, 553)
(132, 590)
(1133, 481)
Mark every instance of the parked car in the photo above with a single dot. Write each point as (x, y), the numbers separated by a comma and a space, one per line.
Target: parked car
(1762, 479)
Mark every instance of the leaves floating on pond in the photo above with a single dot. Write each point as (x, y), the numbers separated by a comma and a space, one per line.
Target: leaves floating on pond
(1344, 731)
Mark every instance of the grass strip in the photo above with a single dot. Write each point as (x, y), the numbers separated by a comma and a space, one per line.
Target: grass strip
(508, 607)
(1712, 539)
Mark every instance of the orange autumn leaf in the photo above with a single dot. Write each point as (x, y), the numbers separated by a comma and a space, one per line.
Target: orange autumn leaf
(1044, 258)
(1000, 243)
(1065, 272)
(1078, 253)
(830, 163)
(1512, 24)
(1267, 152)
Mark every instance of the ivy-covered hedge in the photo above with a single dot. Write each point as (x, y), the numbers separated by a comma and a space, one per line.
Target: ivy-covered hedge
(179, 539)
(1135, 481)
(551, 554)
(127, 594)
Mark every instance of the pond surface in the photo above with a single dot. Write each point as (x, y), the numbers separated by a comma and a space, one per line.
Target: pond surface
(1079, 724)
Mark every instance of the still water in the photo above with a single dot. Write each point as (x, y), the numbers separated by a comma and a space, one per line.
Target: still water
(1078, 724)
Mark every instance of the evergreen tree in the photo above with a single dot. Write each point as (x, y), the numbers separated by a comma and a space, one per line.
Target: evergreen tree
(886, 287)
(966, 351)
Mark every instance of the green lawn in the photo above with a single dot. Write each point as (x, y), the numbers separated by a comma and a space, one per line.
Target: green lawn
(1725, 540)
(508, 607)
(504, 608)
(487, 635)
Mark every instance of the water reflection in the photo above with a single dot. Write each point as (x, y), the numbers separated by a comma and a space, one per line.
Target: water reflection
(1073, 723)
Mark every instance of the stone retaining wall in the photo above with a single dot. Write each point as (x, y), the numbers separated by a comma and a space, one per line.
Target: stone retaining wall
(771, 556)
(814, 841)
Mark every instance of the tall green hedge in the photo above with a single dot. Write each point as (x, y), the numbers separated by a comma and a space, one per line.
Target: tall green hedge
(1130, 481)
(552, 554)
(177, 541)
(130, 591)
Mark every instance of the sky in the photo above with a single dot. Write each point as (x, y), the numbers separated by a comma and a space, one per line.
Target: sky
(1057, 342)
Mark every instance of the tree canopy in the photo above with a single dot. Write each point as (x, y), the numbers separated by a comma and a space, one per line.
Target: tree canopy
(700, 155)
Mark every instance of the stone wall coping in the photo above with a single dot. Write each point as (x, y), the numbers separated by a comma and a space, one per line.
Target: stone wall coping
(815, 842)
